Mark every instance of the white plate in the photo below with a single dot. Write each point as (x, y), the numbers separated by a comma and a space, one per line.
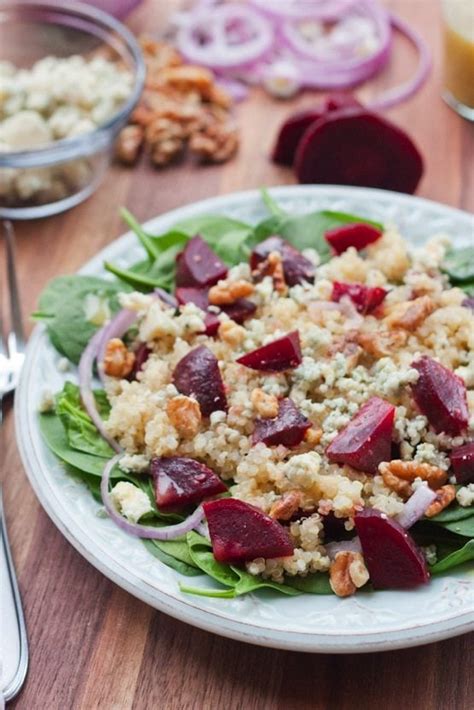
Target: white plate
(365, 622)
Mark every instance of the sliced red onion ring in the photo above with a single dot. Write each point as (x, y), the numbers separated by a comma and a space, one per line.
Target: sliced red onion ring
(303, 9)
(332, 548)
(225, 37)
(170, 532)
(116, 328)
(167, 298)
(416, 506)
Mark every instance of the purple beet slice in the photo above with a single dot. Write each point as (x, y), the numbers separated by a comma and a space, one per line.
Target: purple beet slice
(197, 375)
(292, 130)
(353, 146)
(390, 553)
(180, 481)
(240, 532)
(365, 298)
(197, 265)
(441, 396)
(287, 428)
(358, 235)
(296, 267)
(240, 310)
(198, 296)
(281, 354)
(462, 462)
(366, 441)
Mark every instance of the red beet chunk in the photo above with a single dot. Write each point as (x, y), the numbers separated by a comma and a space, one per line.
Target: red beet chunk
(366, 441)
(198, 296)
(142, 353)
(390, 553)
(462, 461)
(197, 265)
(296, 267)
(287, 428)
(293, 128)
(197, 375)
(441, 397)
(353, 146)
(356, 235)
(365, 298)
(281, 354)
(180, 481)
(240, 532)
(240, 310)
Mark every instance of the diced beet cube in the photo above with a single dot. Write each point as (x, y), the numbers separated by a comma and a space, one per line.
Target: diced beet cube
(198, 296)
(197, 265)
(142, 353)
(287, 428)
(180, 481)
(390, 553)
(365, 298)
(462, 461)
(240, 532)
(296, 267)
(366, 441)
(281, 354)
(293, 128)
(197, 375)
(441, 396)
(240, 310)
(358, 235)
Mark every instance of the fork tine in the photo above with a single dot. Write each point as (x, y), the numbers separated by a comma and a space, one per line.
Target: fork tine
(15, 309)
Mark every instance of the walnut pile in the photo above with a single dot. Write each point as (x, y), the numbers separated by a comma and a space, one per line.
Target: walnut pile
(181, 107)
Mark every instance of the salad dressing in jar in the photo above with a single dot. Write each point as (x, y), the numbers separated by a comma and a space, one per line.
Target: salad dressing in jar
(458, 31)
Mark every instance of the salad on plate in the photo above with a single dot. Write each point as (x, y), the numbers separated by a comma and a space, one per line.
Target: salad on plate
(286, 405)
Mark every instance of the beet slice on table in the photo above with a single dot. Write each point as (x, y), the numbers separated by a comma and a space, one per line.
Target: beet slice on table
(240, 532)
(296, 267)
(356, 147)
(365, 298)
(180, 481)
(197, 265)
(366, 441)
(462, 461)
(281, 354)
(390, 553)
(441, 396)
(287, 428)
(197, 375)
(292, 130)
(358, 235)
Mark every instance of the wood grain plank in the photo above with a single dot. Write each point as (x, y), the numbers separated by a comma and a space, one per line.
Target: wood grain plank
(92, 644)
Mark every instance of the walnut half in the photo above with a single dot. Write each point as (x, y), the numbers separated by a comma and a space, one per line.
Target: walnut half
(347, 573)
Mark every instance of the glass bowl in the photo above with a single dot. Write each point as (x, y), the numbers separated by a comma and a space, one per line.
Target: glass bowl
(50, 179)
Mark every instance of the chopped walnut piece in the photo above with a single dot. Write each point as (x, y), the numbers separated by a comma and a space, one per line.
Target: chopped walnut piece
(266, 405)
(118, 361)
(226, 292)
(381, 344)
(347, 573)
(159, 55)
(184, 414)
(129, 144)
(286, 507)
(313, 435)
(231, 333)
(188, 77)
(347, 345)
(445, 496)
(215, 141)
(166, 140)
(272, 266)
(398, 475)
(410, 314)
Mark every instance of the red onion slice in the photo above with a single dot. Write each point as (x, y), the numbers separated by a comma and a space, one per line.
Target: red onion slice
(85, 386)
(303, 9)
(416, 506)
(170, 532)
(332, 548)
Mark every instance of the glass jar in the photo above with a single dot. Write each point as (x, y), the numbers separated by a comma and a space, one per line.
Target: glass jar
(458, 31)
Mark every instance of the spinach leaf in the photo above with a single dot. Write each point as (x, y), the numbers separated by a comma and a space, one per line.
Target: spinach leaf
(62, 308)
(464, 527)
(272, 205)
(55, 436)
(459, 557)
(173, 554)
(459, 265)
(452, 513)
(317, 583)
(144, 238)
(81, 432)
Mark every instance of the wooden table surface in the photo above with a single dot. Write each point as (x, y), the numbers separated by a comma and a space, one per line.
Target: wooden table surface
(95, 646)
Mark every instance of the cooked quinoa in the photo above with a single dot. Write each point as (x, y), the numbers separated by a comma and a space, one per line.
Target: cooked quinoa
(347, 358)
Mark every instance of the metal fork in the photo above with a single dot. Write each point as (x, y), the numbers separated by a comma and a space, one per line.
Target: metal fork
(12, 348)
(14, 643)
